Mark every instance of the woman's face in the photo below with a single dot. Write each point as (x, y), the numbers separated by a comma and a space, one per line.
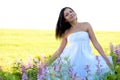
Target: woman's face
(69, 15)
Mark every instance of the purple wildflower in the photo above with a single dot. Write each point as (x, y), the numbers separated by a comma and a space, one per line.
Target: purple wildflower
(23, 68)
(111, 47)
(118, 60)
(84, 78)
(42, 72)
(118, 48)
(116, 52)
(39, 75)
(73, 76)
(70, 70)
(87, 68)
(98, 65)
(24, 75)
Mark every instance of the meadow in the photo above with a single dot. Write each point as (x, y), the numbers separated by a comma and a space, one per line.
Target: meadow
(19, 44)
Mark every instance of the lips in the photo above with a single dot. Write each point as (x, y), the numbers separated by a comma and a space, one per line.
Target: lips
(72, 16)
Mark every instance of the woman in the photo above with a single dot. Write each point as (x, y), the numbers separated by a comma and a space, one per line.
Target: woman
(78, 35)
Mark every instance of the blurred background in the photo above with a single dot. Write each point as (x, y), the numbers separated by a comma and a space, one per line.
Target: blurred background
(43, 14)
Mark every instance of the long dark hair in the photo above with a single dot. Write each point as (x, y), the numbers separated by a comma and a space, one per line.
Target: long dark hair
(62, 25)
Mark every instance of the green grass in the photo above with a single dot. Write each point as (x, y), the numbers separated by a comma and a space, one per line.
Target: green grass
(19, 44)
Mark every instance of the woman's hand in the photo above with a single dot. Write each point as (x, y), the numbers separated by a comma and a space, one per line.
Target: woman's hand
(111, 66)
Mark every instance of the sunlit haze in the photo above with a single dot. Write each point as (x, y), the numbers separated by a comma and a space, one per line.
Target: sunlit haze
(43, 14)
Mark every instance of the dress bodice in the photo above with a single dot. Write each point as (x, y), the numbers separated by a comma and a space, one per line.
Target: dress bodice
(78, 37)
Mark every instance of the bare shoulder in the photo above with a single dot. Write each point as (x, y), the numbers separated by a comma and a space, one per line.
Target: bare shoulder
(66, 33)
(86, 25)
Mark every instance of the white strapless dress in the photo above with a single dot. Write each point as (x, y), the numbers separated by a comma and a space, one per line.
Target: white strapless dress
(84, 62)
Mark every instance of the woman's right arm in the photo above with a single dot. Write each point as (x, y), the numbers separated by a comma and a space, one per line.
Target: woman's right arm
(58, 51)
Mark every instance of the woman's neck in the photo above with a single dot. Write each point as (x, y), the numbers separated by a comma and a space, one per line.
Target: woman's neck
(74, 24)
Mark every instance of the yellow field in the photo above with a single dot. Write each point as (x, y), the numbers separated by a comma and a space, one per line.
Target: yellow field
(19, 44)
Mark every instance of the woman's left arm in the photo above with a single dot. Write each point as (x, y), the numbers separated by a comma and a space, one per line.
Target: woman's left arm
(96, 43)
